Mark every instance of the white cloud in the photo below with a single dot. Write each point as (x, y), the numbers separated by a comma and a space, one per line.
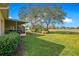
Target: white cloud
(10, 17)
(67, 20)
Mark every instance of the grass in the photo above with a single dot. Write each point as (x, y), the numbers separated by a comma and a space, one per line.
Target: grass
(52, 44)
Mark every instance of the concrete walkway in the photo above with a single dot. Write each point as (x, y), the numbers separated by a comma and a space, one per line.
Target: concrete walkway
(20, 49)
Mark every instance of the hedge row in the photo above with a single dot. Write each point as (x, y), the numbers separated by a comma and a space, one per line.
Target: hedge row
(9, 43)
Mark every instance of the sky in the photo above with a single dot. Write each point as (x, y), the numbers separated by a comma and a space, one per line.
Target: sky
(71, 9)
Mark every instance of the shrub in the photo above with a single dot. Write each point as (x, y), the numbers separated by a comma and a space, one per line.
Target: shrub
(44, 32)
(45, 29)
(9, 43)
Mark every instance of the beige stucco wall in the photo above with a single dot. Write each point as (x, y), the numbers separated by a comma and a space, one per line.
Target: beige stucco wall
(1, 24)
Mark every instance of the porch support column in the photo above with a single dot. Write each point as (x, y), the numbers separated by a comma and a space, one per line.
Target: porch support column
(16, 26)
(2, 31)
(0, 27)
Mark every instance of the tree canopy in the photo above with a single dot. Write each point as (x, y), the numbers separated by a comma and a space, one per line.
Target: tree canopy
(42, 15)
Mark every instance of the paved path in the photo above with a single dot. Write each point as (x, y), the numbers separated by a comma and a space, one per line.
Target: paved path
(20, 49)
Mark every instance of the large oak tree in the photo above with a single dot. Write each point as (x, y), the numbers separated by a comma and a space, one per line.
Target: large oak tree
(47, 14)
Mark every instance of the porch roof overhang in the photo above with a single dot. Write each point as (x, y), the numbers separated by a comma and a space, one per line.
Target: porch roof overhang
(13, 22)
(4, 8)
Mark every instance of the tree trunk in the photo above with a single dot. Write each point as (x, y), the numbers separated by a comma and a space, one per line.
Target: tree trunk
(47, 27)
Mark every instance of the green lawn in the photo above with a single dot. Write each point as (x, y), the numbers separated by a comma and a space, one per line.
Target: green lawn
(51, 44)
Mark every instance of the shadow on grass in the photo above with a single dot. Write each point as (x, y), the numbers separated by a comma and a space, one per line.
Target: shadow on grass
(34, 34)
(63, 32)
(38, 47)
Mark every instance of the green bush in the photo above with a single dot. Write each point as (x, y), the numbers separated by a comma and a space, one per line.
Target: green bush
(45, 29)
(9, 43)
